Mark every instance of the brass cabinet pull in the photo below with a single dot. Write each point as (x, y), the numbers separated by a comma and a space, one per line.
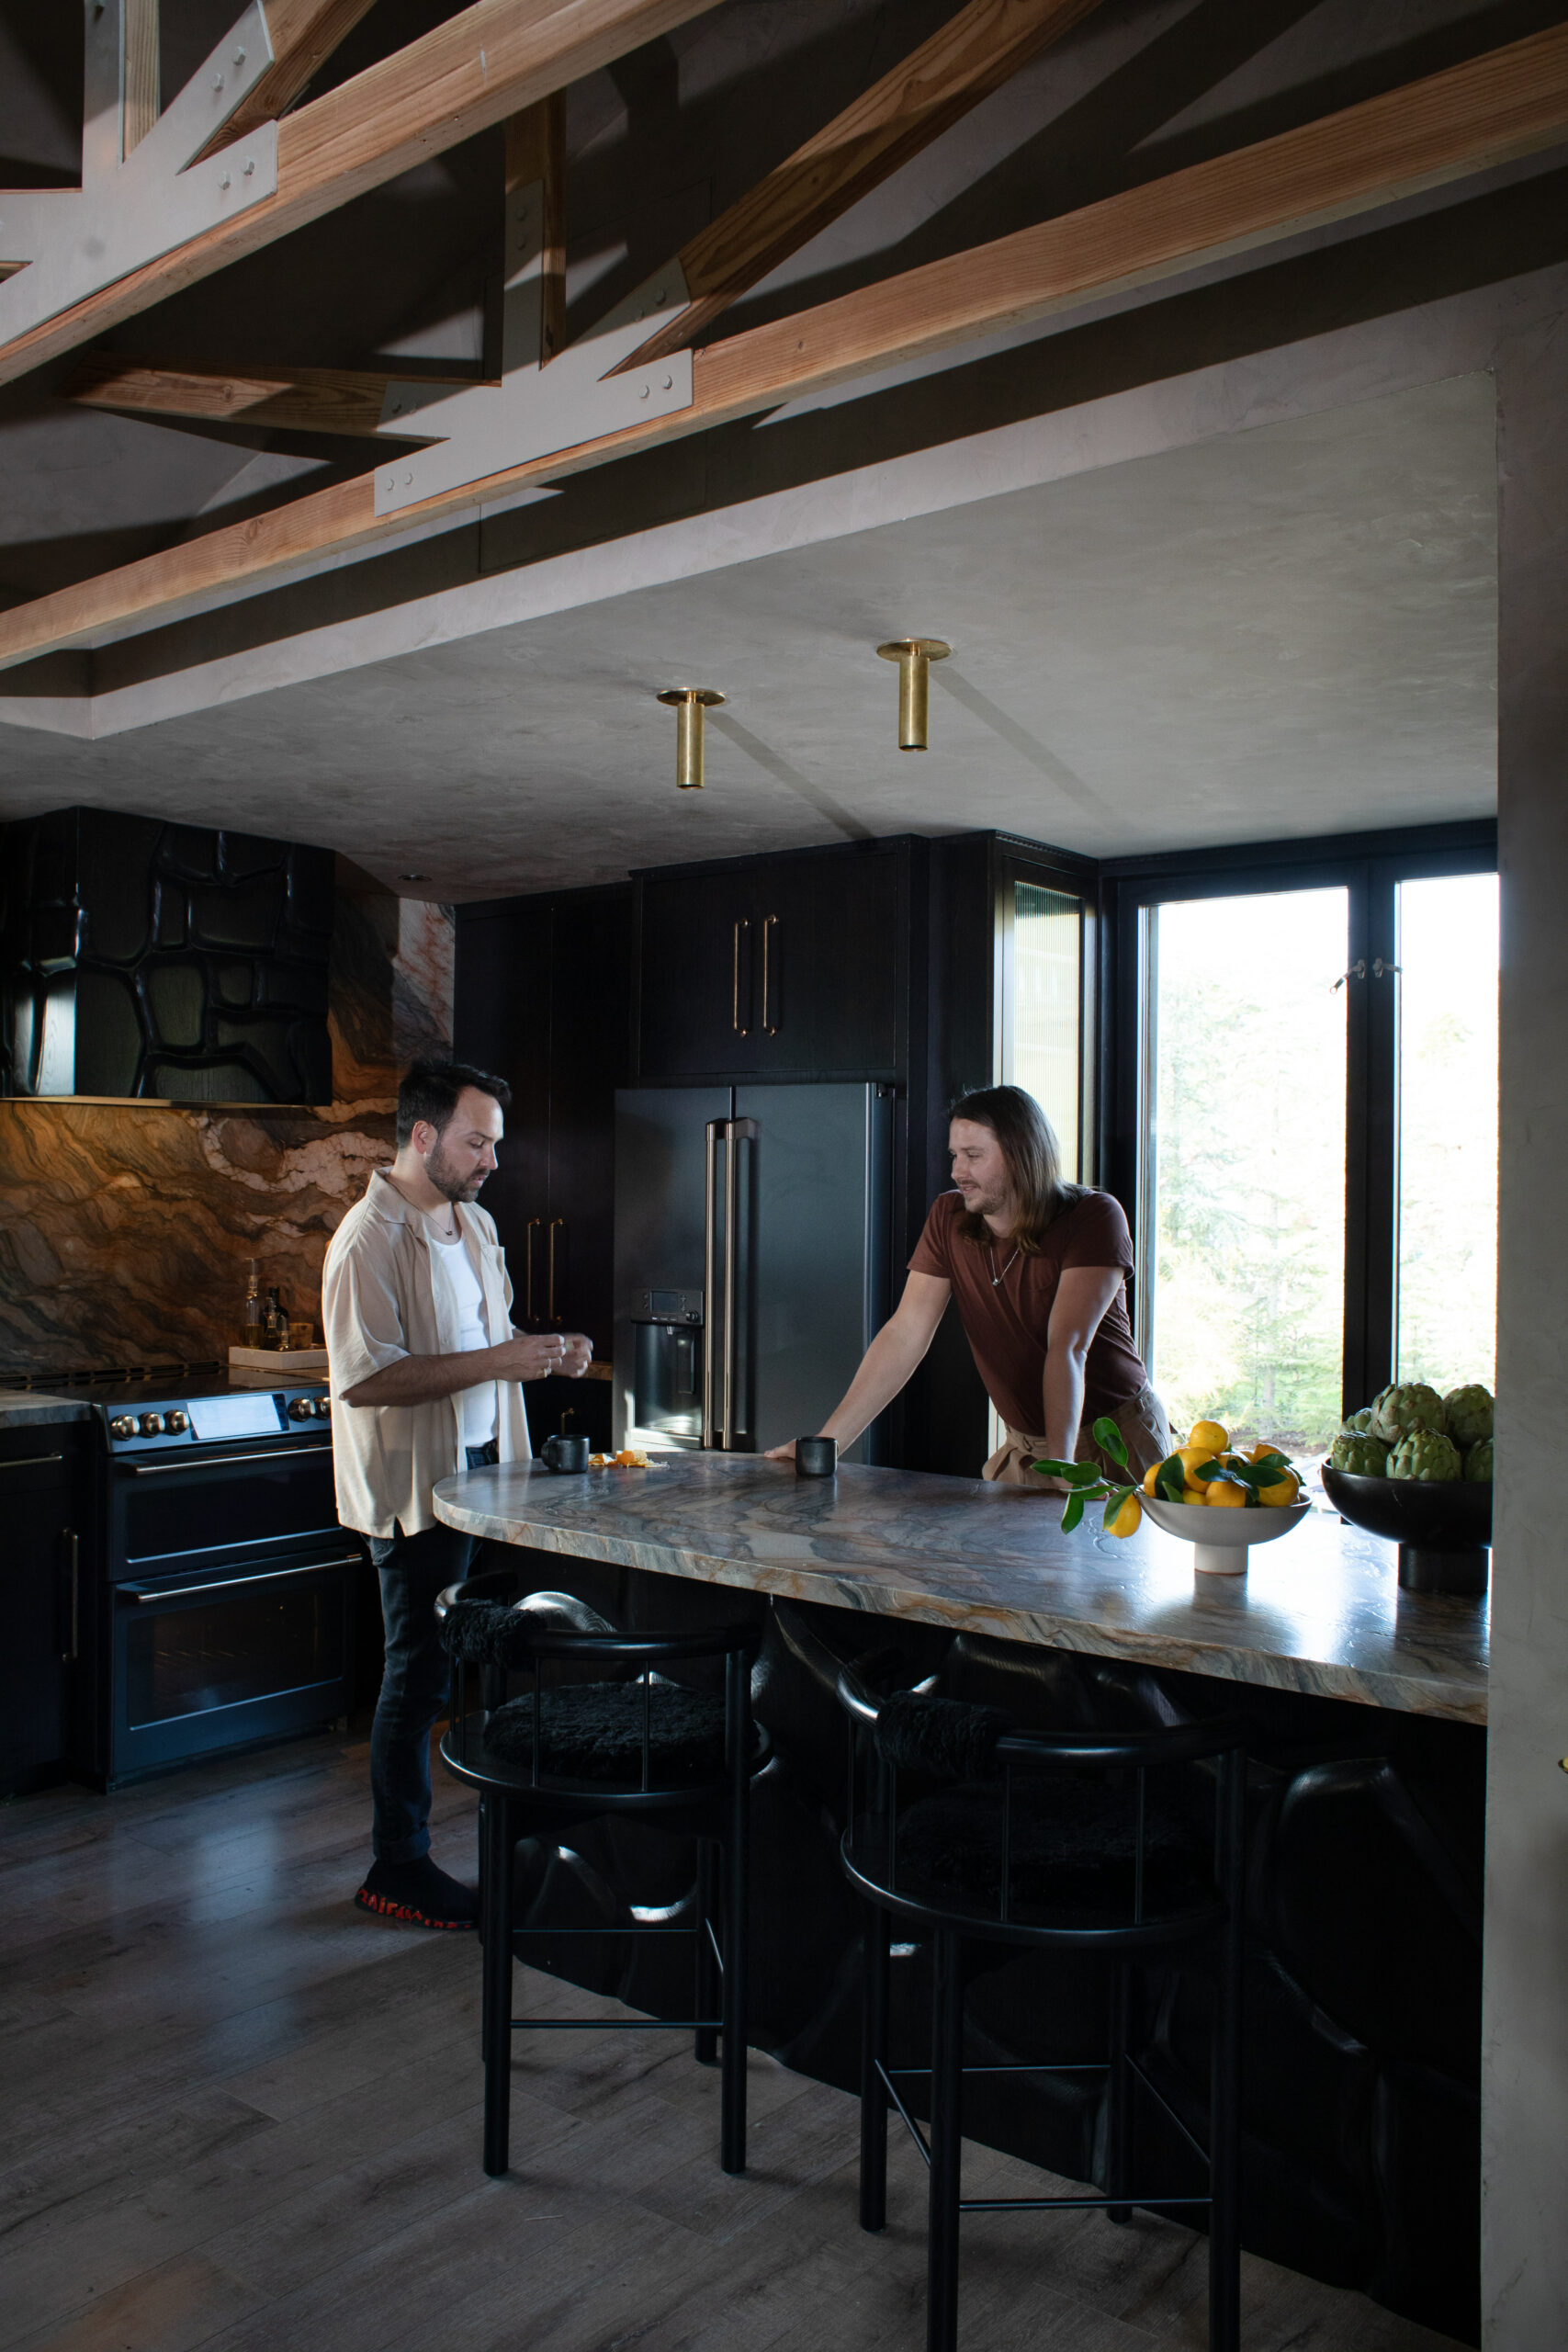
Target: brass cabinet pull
(528, 1232)
(30, 1461)
(75, 1543)
(558, 1225)
(769, 924)
(742, 925)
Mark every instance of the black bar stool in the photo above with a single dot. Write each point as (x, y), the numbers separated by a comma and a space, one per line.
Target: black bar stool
(573, 1750)
(1038, 1847)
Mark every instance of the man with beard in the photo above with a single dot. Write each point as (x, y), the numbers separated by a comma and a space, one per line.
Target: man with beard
(425, 1367)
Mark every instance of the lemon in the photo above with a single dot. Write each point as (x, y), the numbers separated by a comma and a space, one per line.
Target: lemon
(1150, 1475)
(1192, 1458)
(1226, 1496)
(1262, 1448)
(1213, 1435)
(1288, 1488)
(1125, 1519)
(1190, 1494)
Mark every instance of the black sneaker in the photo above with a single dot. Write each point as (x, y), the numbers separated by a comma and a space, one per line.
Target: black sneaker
(420, 1894)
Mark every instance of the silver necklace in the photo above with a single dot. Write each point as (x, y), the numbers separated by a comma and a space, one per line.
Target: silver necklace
(997, 1279)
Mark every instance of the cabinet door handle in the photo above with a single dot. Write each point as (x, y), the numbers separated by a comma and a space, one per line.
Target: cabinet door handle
(528, 1232)
(558, 1225)
(741, 1028)
(75, 1542)
(769, 924)
(30, 1461)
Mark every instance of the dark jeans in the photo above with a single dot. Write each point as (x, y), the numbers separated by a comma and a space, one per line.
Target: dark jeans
(414, 1569)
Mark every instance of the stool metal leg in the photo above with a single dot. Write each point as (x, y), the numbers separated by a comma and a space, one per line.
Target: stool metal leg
(947, 2137)
(1119, 2090)
(484, 1898)
(497, 1985)
(737, 1895)
(875, 1990)
(1225, 2103)
(707, 1975)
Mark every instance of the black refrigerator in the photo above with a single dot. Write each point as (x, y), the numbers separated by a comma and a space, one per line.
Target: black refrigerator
(752, 1230)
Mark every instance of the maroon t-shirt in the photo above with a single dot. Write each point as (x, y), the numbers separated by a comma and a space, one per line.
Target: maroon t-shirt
(1006, 1323)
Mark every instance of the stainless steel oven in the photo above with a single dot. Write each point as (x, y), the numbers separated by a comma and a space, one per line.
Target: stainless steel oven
(227, 1595)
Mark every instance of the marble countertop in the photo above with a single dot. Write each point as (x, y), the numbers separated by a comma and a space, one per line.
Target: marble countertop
(21, 1406)
(1320, 1610)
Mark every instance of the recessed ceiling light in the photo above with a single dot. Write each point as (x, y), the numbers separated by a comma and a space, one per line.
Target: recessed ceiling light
(413, 877)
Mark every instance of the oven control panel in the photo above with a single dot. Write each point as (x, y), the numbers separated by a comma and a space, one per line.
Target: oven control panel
(230, 1418)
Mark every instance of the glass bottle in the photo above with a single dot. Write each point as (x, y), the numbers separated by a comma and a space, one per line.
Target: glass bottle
(252, 1315)
(276, 1322)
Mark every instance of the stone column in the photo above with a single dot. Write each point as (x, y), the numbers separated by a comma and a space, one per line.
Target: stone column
(1524, 2084)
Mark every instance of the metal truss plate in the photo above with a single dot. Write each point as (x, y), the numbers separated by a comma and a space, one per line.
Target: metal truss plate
(77, 240)
(535, 410)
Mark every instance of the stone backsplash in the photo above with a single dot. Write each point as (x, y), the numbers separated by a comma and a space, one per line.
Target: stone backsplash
(126, 1231)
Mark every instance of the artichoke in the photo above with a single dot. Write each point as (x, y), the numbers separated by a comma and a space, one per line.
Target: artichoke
(1356, 1424)
(1469, 1414)
(1408, 1406)
(1478, 1464)
(1362, 1456)
(1426, 1454)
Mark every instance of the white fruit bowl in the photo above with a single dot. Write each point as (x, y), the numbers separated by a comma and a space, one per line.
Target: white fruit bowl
(1222, 1539)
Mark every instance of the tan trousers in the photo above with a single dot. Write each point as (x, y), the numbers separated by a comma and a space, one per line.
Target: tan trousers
(1145, 1431)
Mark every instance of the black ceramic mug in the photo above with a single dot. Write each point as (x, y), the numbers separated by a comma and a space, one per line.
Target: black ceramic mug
(815, 1457)
(564, 1453)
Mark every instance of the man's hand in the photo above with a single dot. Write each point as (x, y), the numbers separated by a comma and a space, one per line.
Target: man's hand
(529, 1355)
(780, 1452)
(579, 1355)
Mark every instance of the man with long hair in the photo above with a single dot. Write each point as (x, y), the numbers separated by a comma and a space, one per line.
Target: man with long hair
(1039, 1269)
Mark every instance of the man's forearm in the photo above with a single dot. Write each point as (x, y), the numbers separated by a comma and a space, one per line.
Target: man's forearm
(887, 1366)
(1063, 1402)
(420, 1380)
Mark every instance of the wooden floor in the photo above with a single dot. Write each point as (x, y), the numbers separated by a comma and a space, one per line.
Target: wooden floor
(238, 2113)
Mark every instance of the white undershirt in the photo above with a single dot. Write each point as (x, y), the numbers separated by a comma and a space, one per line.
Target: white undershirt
(476, 1407)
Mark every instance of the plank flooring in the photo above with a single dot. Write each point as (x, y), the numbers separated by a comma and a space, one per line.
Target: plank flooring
(238, 2113)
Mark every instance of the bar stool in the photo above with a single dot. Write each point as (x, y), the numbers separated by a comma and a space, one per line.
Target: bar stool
(1037, 1846)
(626, 1740)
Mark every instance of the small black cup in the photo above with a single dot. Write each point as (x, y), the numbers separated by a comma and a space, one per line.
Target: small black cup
(564, 1453)
(815, 1457)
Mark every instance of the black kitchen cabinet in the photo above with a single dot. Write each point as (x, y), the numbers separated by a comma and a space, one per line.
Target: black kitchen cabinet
(542, 996)
(43, 1599)
(793, 966)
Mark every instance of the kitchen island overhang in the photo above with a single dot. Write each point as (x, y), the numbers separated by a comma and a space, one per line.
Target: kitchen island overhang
(1320, 1615)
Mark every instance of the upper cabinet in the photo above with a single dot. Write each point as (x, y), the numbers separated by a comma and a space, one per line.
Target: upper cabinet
(788, 967)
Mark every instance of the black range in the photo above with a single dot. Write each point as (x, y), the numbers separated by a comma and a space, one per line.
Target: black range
(224, 1604)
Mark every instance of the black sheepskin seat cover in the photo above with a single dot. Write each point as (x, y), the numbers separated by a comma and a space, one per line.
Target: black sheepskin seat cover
(1072, 1843)
(593, 1731)
(487, 1632)
(951, 1739)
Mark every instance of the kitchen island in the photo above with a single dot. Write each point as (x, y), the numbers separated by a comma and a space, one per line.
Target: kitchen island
(1363, 1709)
(1319, 1613)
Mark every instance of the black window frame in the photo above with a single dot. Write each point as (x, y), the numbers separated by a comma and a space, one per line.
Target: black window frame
(1370, 866)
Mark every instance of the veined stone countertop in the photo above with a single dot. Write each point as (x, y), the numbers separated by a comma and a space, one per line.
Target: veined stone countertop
(1320, 1610)
(18, 1406)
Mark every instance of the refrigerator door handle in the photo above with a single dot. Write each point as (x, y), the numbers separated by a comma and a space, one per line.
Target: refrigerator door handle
(715, 1129)
(736, 1391)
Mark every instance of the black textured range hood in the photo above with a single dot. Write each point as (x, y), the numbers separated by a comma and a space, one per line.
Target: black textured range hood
(154, 962)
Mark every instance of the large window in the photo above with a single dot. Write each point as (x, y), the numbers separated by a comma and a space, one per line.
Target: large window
(1301, 1109)
(1244, 1187)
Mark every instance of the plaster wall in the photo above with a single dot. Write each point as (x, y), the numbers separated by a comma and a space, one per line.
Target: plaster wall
(1525, 2157)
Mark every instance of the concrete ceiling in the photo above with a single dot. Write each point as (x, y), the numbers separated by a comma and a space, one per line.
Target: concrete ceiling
(1280, 632)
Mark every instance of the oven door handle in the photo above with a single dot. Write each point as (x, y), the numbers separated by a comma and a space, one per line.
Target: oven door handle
(218, 1461)
(226, 1584)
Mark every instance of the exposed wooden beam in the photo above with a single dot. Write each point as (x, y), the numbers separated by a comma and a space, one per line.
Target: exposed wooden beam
(1511, 102)
(141, 85)
(466, 75)
(535, 149)
(304, 34)
(973, 54)
(303, 400)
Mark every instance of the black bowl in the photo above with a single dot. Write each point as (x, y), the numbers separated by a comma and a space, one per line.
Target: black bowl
(1442, 1529)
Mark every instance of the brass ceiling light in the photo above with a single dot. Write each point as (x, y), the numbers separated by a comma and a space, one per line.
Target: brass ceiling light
(914, 655)
(690, 702)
